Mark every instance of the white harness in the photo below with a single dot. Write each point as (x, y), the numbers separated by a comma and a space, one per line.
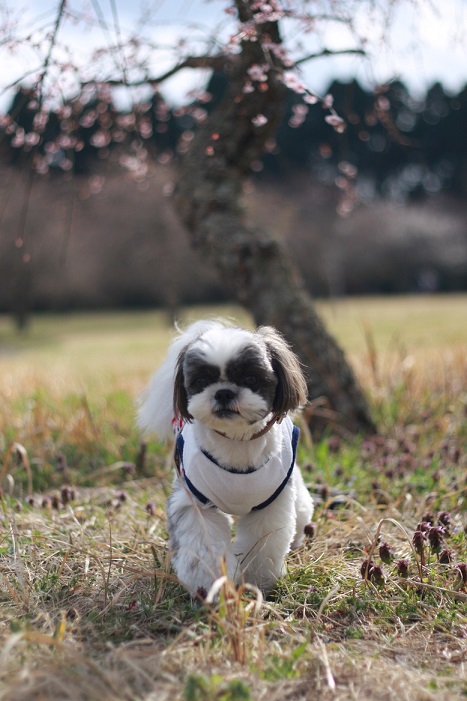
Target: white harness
(236, 493)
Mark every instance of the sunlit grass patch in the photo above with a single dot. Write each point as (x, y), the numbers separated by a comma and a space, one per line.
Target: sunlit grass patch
(89, 606)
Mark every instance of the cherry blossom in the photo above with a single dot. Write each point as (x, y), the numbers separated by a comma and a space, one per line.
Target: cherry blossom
(259, 121)
(258, 73)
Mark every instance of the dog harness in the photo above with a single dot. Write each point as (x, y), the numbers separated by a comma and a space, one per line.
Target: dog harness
(235, 492)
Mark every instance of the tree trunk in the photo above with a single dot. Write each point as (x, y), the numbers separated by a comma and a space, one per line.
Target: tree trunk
(253, 265)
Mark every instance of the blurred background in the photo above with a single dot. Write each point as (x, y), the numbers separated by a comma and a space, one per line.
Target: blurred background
(86, 220)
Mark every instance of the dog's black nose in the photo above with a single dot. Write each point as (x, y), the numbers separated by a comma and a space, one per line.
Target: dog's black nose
(224, 396)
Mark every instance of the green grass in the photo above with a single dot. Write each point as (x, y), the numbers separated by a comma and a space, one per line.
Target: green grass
(89, 607)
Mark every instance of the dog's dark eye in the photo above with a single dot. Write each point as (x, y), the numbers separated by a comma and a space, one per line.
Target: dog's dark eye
(201, 381)
(250, 381)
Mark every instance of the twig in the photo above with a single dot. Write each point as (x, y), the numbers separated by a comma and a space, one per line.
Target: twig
(441, 590)
(327, 668)
(60, 13)
(330, 52)
(21, 451)
(206, 62)
(107, 583)
(119, 40)
(106, 31)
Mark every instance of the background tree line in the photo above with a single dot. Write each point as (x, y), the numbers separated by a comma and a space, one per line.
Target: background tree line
(70, 242)
(403, 147)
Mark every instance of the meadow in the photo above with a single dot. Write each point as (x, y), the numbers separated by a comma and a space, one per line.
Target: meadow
(373, 607)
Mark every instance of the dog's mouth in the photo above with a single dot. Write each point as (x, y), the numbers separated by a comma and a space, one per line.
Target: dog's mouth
(225, 413)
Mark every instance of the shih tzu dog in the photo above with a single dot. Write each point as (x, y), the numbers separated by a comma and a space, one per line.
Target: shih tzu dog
(227, 393)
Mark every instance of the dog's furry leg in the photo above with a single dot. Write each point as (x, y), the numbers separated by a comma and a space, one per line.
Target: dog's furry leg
(304, 508)
(263, 540)
(200, 538)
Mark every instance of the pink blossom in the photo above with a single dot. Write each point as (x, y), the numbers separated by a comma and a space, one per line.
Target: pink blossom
(18, 139)
(258, 73)
(96, 183)
(259, 121)
(100, 139)
(51, 148)
(328, 102)
(145, 128)
(40, 121)
(64, 112)
(279, 52)
(31, 138)
(88, 119)
(348, 169)
(263, 17)
(247, 32)
(165, 158)
(346, 206)
(205, 97)
(66, 142)
(66, 164)
(300, 112)
(118, 135)
(41, 166)
(126, 121)
(199, 114)
(335, 121)
(267, 11)
(294, 83)
(383, 103)
(310, 99)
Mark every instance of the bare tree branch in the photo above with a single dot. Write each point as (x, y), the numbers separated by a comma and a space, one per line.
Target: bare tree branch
(60, 14)
(215, 63)
(19, 80)
(119, 40)
(330, 52)
(106, 31)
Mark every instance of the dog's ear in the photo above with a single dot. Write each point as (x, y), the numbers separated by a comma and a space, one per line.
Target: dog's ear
(180, 398)
(292, 389)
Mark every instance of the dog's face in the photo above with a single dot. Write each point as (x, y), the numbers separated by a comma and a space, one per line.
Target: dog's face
(233, 377)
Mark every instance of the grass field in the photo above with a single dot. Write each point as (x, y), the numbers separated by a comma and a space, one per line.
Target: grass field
(89, 607)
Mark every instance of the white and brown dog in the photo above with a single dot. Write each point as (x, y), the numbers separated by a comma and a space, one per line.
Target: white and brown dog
(228, 392)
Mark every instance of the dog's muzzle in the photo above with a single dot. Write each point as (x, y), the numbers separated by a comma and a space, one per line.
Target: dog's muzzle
(225, 403)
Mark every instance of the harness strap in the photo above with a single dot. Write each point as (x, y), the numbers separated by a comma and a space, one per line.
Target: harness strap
(178, 457)
(295, 435)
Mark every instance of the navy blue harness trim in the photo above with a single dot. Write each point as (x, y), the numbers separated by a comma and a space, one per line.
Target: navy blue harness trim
(295, 435)
(227, 469)
(180, 442)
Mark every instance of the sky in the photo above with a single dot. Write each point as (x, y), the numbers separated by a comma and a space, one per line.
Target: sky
(425, 41)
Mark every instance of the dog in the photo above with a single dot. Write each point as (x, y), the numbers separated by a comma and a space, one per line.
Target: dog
(227, 393)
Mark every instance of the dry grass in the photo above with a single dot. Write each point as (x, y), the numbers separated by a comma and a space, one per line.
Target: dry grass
(89, 606)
